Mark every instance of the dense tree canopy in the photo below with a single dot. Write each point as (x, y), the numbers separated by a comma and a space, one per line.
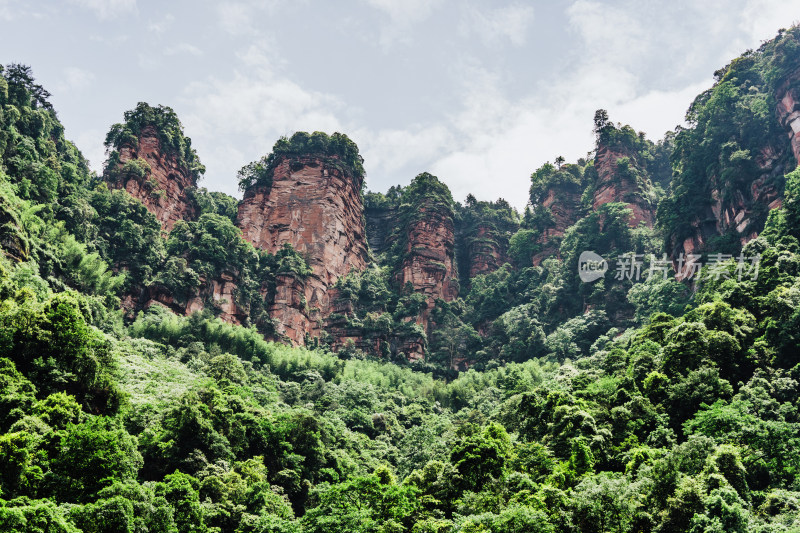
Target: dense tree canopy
(618, 405)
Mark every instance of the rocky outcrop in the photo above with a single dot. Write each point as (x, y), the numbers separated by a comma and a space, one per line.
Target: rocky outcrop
(740, 212)
(788, 109)
(344, 336)
(314, 204)
(485, 252)
(483, 230)
(428, 263)
(155, 177)
(218, 294)
(620, 179)
(379, 225)
(563, 202)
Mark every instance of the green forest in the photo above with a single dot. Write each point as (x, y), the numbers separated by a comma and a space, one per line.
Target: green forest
(614, 406)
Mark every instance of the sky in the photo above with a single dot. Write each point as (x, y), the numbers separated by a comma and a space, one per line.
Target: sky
(479, 93)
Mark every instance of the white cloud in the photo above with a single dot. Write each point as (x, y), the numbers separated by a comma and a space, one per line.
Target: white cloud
(5, 10)
(236, 18)
(496, 25)
(403, 15)
(762, 18)
(405, 11)
(235, 120)
(183, 48)
(610, 31)
(412, 150)
(148, 61)
(239, 18)
(107, 9)
(161, 25)
(657, 112)
(623, 52)
(90, 143)
(498, 162)
(19, 9)
(74, 78)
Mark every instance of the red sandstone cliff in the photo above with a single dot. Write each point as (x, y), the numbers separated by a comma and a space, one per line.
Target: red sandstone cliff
(484, 251)
(218, 293)
(428, 263)
(788, 109)
(315, 206)
(742, 209)
(620, 180)
(563, 202)
(738, 211)
(483, 230)
(162, 184)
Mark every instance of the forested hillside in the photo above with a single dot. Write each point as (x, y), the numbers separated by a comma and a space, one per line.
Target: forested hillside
(320, 358)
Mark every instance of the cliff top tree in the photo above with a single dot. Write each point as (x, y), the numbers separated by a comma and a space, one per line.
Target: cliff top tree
(42, 164)
(427, 191)
(168, 128)
(23, 89)
(619, 137)
(549, 177)
(337, 147)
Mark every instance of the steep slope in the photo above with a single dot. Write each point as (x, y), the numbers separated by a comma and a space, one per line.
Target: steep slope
(307, 194)
(555, 198)
(621, 171)
(389, 309)
(152, 160)
(730, 163)
(788, 108)
(482, 233)
(424, 243)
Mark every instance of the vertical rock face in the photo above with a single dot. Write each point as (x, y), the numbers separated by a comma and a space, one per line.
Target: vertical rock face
(788, 109)
(161, 184)
(428, 264)
(741, 210)
(424, 243)
(484, 252)
(220, 292)
(314, 205)
(483, 230)
(563, 202)
(620, 180)
(379, 224)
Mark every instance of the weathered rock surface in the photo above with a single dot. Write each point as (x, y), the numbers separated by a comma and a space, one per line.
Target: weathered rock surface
(411, 346)
(164, 189)
(617, 182)
(379, 225)
(485, 252)
(743, 210)
(218, 293)
(788, 110)
(428, 264)
(563, 202)
(314, 205)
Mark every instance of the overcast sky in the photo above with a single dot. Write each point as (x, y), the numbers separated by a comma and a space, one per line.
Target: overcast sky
(480, 93)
